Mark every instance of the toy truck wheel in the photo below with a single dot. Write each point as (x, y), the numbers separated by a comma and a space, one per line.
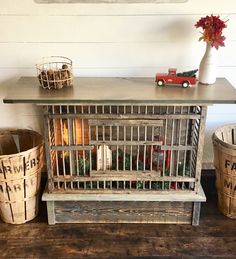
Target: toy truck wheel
(160, 83)
(185, 84)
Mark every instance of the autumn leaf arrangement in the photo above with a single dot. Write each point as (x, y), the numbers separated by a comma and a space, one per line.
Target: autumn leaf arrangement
(212, 27)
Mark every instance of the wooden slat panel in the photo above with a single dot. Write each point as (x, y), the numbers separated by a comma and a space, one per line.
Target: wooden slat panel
(72, 147)
(178, 147)
(140, 122)
(124, 195)
(124, 175)
(124, 143)
(151, 117)
(123, 212)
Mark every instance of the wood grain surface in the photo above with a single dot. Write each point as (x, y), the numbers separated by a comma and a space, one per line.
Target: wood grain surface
(123, 212)
(123, 90)
(215, 237)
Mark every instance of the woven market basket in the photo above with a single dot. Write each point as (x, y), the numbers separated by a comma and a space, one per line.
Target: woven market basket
(21, 161)
(55, 72)
(224, 142)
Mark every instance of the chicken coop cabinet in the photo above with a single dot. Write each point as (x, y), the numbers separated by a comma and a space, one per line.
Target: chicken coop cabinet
(120, 150)
(124, 162)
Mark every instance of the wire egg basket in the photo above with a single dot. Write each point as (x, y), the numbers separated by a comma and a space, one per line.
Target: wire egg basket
(55, 72)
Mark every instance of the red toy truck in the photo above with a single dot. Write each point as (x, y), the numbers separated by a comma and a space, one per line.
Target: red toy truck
(172, 78)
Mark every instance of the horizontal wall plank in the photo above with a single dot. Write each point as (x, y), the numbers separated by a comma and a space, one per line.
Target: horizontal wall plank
(87, 29)
(12, 120)
(21, 109)
(8, 75)
(191, 7)
(119, 55)
(97, 29)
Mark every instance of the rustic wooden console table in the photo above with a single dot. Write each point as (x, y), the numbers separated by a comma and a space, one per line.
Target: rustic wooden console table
(123, 149)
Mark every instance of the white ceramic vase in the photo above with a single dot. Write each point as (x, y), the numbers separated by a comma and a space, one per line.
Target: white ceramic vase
(208, 66)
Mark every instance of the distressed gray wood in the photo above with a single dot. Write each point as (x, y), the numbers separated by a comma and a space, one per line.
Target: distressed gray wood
(120, 90)
(108, 1)
(200, 146)
(72, 147)
(123, 212)
(196, 213)
(177, 147)
(48, 151)
(51, 212)
(124, 143)
(141, 122)
(124, 176)
(134, 195)
(125, 116)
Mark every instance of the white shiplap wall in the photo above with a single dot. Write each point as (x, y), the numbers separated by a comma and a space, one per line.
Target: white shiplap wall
(109, 40)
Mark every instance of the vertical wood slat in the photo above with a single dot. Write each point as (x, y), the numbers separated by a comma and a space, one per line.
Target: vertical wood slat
(191, 133)
(172, 143)
(131, 148)
(83, 153)
(90, 151)
(145, 146)
(47, 150)
(117, 148)
(196, 213)
(56, 143)
(124, 148)
(198, 167)
(185, 143)
(117, 138)
(138, 137)
(159, 165)
(70, 142)
(51, 212)
(165, 143)
(82, 140)
(131, 138)
(96, 131)
(62, 142)
(179, 140)
(151, 148)
(137, 162)
(76, 141)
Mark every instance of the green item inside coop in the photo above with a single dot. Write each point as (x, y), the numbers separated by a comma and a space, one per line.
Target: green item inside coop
(124, 161)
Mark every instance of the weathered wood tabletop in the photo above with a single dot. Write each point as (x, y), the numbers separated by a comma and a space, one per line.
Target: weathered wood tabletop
(125, 90)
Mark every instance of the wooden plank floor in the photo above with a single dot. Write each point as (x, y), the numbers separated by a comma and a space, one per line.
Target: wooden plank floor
(215, 237)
